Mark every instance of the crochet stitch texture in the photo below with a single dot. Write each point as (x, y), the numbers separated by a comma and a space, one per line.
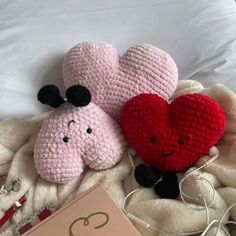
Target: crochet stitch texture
(113, 79)
(73, 137)
(172, 137)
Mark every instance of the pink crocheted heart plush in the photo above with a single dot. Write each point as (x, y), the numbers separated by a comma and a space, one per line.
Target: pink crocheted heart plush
(113, 80)
(172, 136)
(76, 134)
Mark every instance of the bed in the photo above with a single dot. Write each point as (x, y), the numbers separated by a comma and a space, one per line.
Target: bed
(34, 36)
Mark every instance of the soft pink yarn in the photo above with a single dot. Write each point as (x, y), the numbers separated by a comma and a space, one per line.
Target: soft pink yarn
(61, 162)
(113, 80)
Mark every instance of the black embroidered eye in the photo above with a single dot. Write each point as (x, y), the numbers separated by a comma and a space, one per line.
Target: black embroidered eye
(89, 130)
(153, 139)
(180, 141)
(65, 139)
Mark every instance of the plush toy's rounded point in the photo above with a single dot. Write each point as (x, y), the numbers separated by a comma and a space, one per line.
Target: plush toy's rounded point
(172, 137)
(72, 137)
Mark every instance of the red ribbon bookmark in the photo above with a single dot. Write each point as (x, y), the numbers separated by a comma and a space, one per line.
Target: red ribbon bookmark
(10, 212)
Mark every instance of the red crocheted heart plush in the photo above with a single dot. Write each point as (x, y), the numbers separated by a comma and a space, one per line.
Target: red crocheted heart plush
(173, 136)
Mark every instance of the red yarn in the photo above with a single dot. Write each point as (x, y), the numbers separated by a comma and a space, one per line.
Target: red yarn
(172, 137)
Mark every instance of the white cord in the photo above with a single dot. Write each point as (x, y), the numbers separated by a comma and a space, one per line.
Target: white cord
(126, 198)
(3, 190)
(220, 223)
(224, 229)
(209, 227)
(144, 223)
(213, 153)
(222, 218)
(130, 151)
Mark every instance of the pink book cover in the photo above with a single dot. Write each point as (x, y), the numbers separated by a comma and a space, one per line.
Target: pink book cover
(91, 213)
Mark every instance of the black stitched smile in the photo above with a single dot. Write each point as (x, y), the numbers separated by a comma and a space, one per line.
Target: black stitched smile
(166, 153)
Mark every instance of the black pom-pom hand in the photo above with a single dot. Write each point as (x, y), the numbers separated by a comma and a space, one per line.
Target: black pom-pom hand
(168, 187)
(146, 176)
(50, 95)
(78, 95)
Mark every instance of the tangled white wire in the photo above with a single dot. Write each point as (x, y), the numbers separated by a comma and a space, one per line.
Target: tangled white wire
(213, 153)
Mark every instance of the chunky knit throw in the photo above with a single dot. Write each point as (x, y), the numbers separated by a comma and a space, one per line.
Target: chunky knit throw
(114, 79)
(173, 136)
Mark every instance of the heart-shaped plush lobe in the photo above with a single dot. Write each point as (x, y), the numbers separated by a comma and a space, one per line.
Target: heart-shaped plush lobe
(113, 79)
(173, 136)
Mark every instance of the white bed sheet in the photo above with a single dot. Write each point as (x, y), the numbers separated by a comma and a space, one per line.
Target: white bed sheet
(35, 35)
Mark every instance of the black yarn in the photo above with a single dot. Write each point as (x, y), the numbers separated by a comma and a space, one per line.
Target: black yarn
(65, 139)
(78, 95)
(168, 187)
(146, 176)
(50, 95)
(89, 130)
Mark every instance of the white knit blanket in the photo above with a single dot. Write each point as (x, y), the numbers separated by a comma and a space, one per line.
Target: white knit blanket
(17, 139)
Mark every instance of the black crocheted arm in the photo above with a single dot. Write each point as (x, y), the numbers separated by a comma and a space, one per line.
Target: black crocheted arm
(146, 176)
(168, 187)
